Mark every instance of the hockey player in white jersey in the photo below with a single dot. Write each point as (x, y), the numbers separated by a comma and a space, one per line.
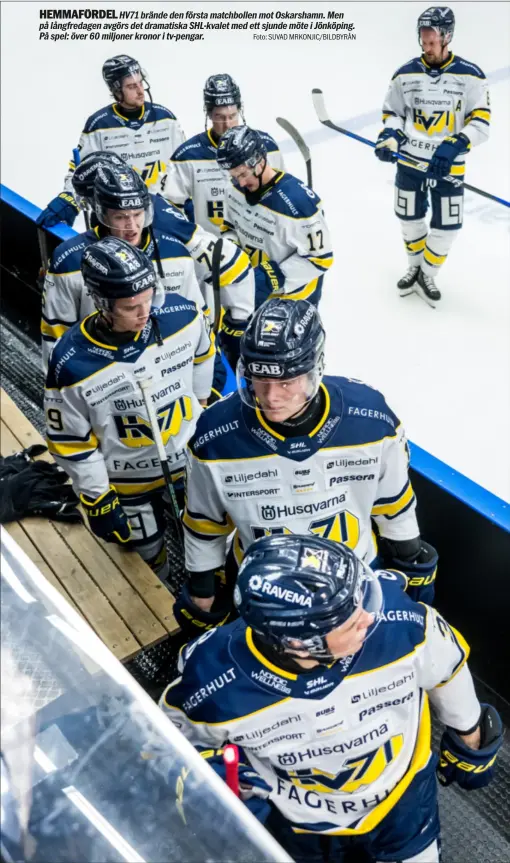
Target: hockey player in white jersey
(142, 133)
(194, 180)
(325, 684)
(295, 452)
(277, 220)
(97, 427)
(436, 109)
(236, 275)
(123, 208)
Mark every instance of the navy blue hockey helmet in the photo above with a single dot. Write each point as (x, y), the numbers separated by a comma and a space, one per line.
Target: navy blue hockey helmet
(115, 69)
(85, 173)
(299, 588)
(283, 340)
(221, 91)
(240, 146)
(113, 268)
(121, 189)
(438, 18)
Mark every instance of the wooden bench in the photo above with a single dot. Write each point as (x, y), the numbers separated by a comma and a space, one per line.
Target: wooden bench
(114, 590)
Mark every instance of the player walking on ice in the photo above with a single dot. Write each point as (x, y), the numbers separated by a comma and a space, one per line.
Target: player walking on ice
(293, 451)
(325, 684)
(436, 109)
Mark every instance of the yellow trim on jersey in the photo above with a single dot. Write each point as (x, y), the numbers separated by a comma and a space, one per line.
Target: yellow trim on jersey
(442, 66)
(262, 659)
(242, 263)
(431, 258)
(394, 507)
(301, 294)
(211, 139)
(201, 358)
(224, 721)
(91, 338)
(482, 113)
(325, 415)
(322, 262)
(464, 646)
(419, 760)
(54, 331)
(116, 111)
(457, 170)
(236, 548)
(66, 449)
(207, 526)
(140, 487)
(267, 427)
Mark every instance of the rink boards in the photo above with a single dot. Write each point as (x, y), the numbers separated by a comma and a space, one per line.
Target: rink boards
(469, 525)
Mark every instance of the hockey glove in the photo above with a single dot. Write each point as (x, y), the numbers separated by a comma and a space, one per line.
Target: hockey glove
(194, 621)
(388, 144)
(471, 768)
(446, 153)
(269, 279)
(231, 332)
(63, 208)
(39, 488)
(253, 790)
(106, 517)
(417, 560)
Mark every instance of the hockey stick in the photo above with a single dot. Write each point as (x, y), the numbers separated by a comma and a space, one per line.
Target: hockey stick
(43, 251)
(77, 160)
(321, 111)
(301, 145)
(215, 279)
(145, 386)
(231, 762)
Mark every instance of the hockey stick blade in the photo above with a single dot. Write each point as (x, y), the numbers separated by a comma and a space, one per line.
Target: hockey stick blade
(323, 116)
(215, 278)
(301, 144)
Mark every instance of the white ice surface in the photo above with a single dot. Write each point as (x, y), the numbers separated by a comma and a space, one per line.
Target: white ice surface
(446, 372)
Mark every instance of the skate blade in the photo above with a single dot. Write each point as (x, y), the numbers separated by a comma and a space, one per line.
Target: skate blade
(423, 296)
(405, 292)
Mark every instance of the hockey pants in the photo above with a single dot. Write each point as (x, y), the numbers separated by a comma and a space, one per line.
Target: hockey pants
(408, 834)
(147, 517)
(427, 248)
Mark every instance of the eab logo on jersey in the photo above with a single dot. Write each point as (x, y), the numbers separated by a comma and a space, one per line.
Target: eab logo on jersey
(135, 430)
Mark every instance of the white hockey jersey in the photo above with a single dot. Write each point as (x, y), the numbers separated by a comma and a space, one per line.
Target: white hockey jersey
(66, 300)
(288, 228)
(237, 283)
(242, 475)
(428, 104)
(97, 427)
(194, 174)
(146, 143)
(339, 744)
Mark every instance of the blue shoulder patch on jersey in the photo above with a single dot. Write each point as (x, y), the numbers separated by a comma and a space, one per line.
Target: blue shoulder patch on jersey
(401, 629)
(194, 149)
(459, 66)
(67, 256)
(212, 438)
(365, 415)
(104, 118)
(290, 197)
(414, 65)
(169, 220)
(213, 688)
(269, 141)
(72, 361)
(161, 112)
(175, 314)
(168, 246)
